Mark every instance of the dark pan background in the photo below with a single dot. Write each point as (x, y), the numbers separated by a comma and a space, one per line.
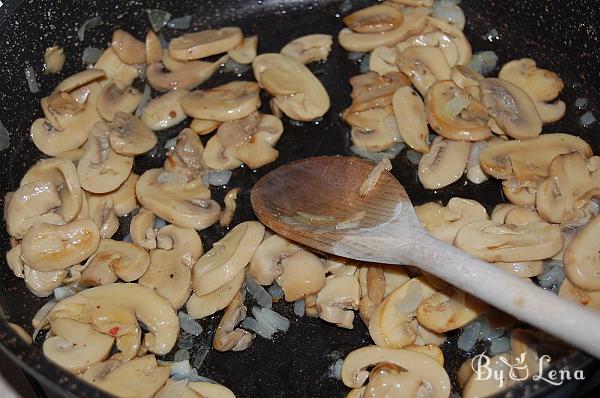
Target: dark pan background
(560, 35)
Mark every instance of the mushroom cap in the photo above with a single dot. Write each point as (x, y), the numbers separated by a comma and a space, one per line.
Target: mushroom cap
(75, 346)
(338, 299)
(303, 275)
(165, 111)
(205, 43)
(539, 84)
(582, 257)
(185, 76)
(115, 260)
(227, 337)
(114, 99)
(309, 48)
(186, 204)
(227, 258)
(129, 136)
(448, 310)
(48, 247)
(154, 312)
(444, 164)
(245, 52)
(199, 307)
(298, 93)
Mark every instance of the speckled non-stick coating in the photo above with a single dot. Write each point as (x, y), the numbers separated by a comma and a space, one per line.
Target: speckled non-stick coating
(560, 35)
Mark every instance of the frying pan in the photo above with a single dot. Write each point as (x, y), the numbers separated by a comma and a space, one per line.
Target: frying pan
(560, 35)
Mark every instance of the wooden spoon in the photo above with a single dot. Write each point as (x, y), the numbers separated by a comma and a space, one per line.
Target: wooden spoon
(316, 202)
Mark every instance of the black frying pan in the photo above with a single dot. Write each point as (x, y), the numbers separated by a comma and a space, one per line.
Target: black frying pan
(562, 36)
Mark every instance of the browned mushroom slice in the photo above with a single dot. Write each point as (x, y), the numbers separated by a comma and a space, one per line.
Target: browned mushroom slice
(448, 310)
(115, 260)
(203, 127)
(227, 337)
(227, 102)
(383, 60)
(187, 76)
(310, 48)
(31, 205)
(54, 59)
(199, 307)
(153, 48)
(424, 66)
(165, 111)
(129, 136)
(582, 257)
(129, 49)
(205, 43)
(80, 79)
(114, 99)
(371, 90)
(374, 129)
(338, 299)
(411, 120)
(115, 69)
(101, 211)
(374, 19)
(245, 52)
(444, 163)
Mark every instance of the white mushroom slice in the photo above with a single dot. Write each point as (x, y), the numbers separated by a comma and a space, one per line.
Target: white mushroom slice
(245, 52)
(309, 48)
(199, 307)
(298, 93)
(230, 101)
(521, 215)
(130, 136)
(142, 229)
(42, 284)
(303, 275)
(467, 80)
(445, 222)
(431, 350)
(114, 99)
(14, 261)
(227, 337)
(49, 247)
(338, 299)
(374, 19)
(500, 211)
(186, 204)
(205, 43)
(230, 206)
(424, 66)
(80, 79)
(452, 114)
(370, 90)
(501, 365)
(129, 49)
(72, 154)
(59, 107)
(511, 108)
(383, 60)
(220, 157)
(185, 157)
(200, 389)
(449, 310)
(267, 262)
(529, 160)
(411, 120)
(154, 312)
(186, 77)
(141, 377)
(101, 211)
(388, 378)
(101, 169)
(211, 390)
(582, 257)
(115, 260)
(373, 130)
(540, 84)
(31, 205)
(492, 241)
(520, 193)
(123, 198)
(75, 346)
(120, 322)
(444, 164)
(153, 48)
(227, 258)
(434, 378)
(203, 127)
(567, 196)
(165, 111)
(54, 59)
(170, 273)
(116, 69)
(586, 298)
(364, 42)
(63, 175)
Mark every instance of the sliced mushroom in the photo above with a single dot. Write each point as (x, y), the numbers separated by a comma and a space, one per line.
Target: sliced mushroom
(205, 43)
(227, 258)
(75, 346)
(522, 269)
(42, 284)
(101, 210)
(540, 84)
(467, 80)
(338, 299)
(59, 107)
(266, 264)
(298, 93)
(14, 261)
(303, 275)
(424, 66)
(114, 99)
(582, 257)
(588, 299)
(521, 215)
(485, 384)
(72, 154)
(185, 389)
(449, 310)
(141, 377)
(229, 101)
(54, 59)
(31, 205)
(370, 90)
(101, 169)
(123, 198)
(115, 260)
(431, 350)
(153, 48)
(203, 127)
(511, 108)
(220, 157)
(529, 160)
(129, 136)
(186, 76)
(434, 378)
(142, 229)
(227, 337)
(80, 79)
(411, 120)
(176, 200)
(245, 52)
(309, 48)
(383, 60)
(364, 42)
(129, 49)
(230, 206)
(445, 222)
(199, 307)
(170, 271)
(48, 247)
(374, 19)
(374, 129)
(492, 241)
(154, 312)
(444, 164)
(165, 111)
(426, 336)
(388, 378)
(452, 114)
(115, 69)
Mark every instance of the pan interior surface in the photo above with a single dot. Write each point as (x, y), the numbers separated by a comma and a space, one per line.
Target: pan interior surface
(562, 36)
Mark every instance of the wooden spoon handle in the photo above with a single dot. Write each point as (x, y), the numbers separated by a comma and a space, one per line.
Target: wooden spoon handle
(566, 320)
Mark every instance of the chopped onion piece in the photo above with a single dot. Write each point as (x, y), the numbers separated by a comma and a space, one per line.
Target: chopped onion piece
(259, 293)
(299, 307)
(491, 35)
(413, 156)
(90, 55)
(484, 62)
(553, 275)
(373, 177)
(181, 355)
(364, 63)
(185, 341)
(456, 105)
(40, 319)
(449, 11)
(189, 324)
(587, 119)
(219, 178)
(486, 331)
(335, 370)
(202, 352)
(276, 291)
(127, 238)
(390, 153)
(159, 223)
(170, 144)
(232, 66)
(143, 101)
(581, 103)
(66, 291)
(500, 345)
(4, 137)
(88, 25)
(158, 18)
(355, 56)
(180, 23)
(266, 322)
(34, 87)
(469, 336)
